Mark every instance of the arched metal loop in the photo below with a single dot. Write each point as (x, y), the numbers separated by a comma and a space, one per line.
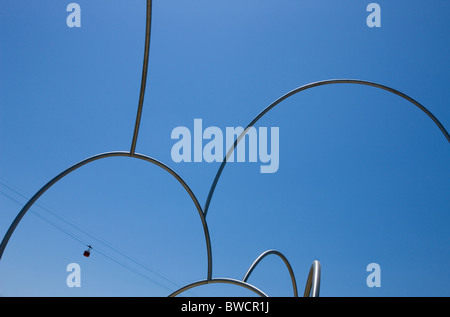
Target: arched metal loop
(102, 156)
(306, 87)
(288, 265)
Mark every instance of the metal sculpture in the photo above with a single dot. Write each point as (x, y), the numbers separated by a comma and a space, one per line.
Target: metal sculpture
(312, 287)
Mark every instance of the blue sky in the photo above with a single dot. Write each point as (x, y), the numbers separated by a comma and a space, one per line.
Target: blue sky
(363, 176)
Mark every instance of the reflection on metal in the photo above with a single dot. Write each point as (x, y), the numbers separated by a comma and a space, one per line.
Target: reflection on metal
(288, 265)
(313, 282)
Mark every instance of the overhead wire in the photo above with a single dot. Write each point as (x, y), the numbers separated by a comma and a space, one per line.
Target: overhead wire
(133, 146)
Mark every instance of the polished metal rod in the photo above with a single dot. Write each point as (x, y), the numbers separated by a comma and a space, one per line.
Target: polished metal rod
(144, 75)
(312, 288)
(305, 87)
(288, 265)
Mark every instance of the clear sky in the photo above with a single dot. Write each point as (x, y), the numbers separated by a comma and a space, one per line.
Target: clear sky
(363, 174)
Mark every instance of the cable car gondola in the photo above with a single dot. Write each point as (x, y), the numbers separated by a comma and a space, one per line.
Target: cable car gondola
(87, 252)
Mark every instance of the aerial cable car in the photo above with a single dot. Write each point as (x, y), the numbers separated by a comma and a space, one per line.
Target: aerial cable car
(87, 252)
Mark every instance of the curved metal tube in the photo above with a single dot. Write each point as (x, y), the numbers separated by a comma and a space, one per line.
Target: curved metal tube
(288, 265)
(219, 280)
(313, 283)
(305, 87)
(98, 157)
(144, 75)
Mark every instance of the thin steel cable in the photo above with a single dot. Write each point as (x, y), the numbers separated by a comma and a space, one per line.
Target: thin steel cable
(96, 249)
(98, 157)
